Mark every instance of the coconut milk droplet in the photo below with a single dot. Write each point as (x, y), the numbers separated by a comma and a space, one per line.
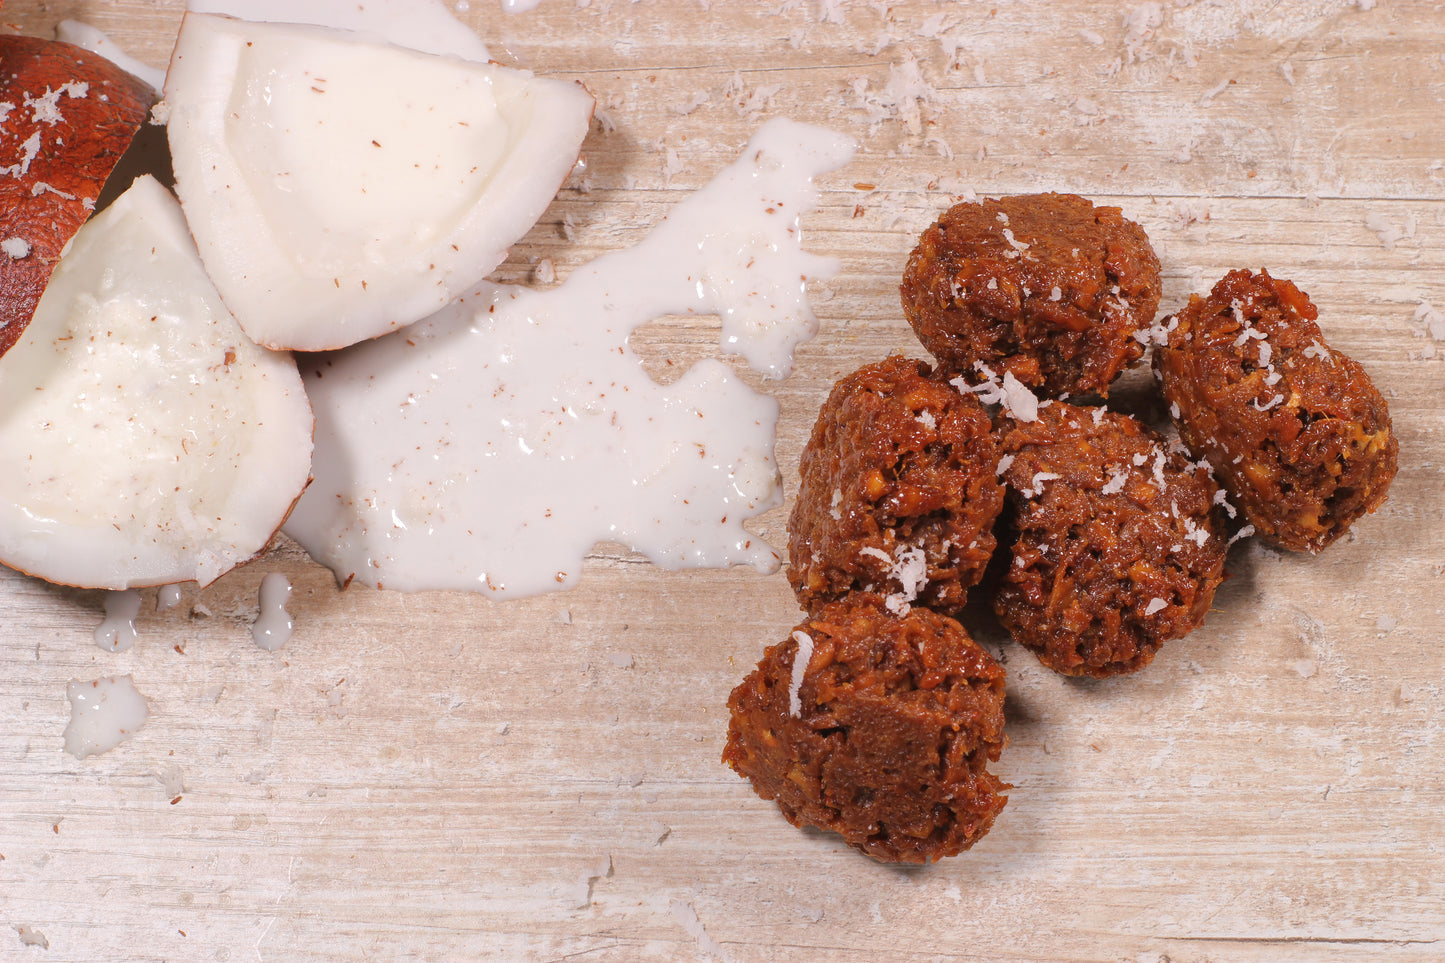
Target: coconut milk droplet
(490, 446)
(168, 597)
(117, 633)
(272, 628)
(103, 714)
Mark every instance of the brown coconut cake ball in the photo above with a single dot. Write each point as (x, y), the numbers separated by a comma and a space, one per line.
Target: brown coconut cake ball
(899, 491)
(1296, 431)
(877, 727)
(1120, 540)
(1046, 287)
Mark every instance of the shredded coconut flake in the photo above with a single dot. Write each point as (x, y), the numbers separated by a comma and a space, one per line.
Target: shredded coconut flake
(801, 657)
(16, 247)
(1244, 532)
(1036, 485)
(1116, 482)
(1155, 605)
(909, 569)
(1159, 459)
(1017, 400)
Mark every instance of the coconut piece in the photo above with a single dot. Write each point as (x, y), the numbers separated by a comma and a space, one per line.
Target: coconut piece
(146, 440)
(66, 117)
(338, 188)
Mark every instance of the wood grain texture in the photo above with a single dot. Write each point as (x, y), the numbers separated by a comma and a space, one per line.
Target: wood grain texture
(437, 777)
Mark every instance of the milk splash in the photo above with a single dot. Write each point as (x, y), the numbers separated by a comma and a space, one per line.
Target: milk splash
(103, 714)
(489, 447)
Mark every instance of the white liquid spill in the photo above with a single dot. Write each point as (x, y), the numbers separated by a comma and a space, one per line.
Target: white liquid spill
(117, 633)
(517, 6)
(425, 25)
(272, 628)
(97, 41)
(168, 597)
(103, 714)
(490, 446)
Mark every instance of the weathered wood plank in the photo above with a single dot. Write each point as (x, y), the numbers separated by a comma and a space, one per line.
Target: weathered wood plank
(440, 777)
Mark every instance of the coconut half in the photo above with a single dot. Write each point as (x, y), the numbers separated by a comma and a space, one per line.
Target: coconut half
(145, 439)
(339, 188)
(66, 117)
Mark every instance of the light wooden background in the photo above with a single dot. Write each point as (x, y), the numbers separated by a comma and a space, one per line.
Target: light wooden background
(436, 777)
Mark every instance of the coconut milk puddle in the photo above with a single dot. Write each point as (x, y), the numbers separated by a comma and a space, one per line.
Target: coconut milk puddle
(103, 714)
(489, 447)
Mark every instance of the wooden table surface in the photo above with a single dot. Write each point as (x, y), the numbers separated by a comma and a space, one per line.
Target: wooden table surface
(440, 777)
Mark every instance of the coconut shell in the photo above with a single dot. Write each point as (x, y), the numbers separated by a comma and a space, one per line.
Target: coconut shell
(66, 117)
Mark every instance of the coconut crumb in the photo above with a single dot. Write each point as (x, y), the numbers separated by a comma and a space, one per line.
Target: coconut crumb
(1140, 25)
(1004, 463)
(1215, 91)
(1389, 232)
(1158, 332)
(1115, 484)
(833, 510)
(1244, 532)
(1155, 605)
(28, 152)
(749, 104)
(545, 272)
(801, 657)
(1431, 319)
(687, 916)
(15, 247)
(40, 187)
(903, 98)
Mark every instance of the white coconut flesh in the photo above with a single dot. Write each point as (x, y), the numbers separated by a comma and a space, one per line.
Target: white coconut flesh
(338, 189)
(145, 439)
